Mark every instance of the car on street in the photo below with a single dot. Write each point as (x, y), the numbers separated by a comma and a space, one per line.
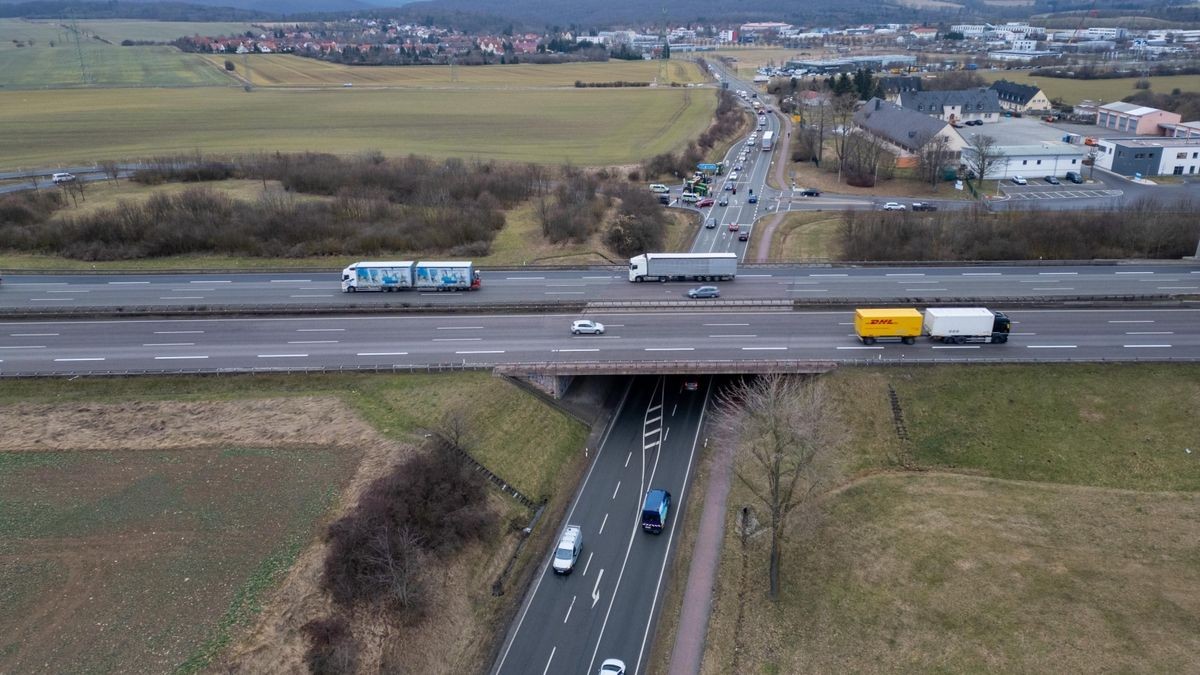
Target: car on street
(1019, 180)
(659, 187)
(739, 166)
(62, 178)
(707, 201)
(753, 199)
(612, 667)
(690, 385)
(733, 227)
(724, 201)
(728, 185)
(1052, 180)
(710, 223)
(923, 206)
(587, 327)
(655, 509)
(704, 292)
(744, 236)
(810, 192)
(1074, 177)
(733, 176)
(893, 206)
(568, 549)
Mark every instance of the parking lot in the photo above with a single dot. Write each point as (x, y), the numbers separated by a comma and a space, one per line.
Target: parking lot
(1036, 192)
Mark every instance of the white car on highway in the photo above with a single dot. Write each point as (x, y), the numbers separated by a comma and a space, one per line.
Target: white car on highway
(587, 326)
(893, 206)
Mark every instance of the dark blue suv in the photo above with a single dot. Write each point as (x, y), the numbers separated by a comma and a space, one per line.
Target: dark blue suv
(655, 510)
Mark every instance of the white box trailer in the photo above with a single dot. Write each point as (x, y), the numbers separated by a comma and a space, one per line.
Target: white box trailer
(683, 267)
(399, 275)
(966, 324)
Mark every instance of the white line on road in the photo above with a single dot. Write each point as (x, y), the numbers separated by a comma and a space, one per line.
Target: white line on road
(524, 278)
(291, 281)
(483, 351)
(1039, 281)
(460, 327)
(670, 349)
(282, 356)
(320, 330)
(169, 344)
(475, 339)
(615, 489)
(923, 290)
(547, 668)
(726, 324)
(829, 275)
(1050, 346)
(174, 290)
(33, 334)
(733, 335)
(89, 358)
(807, 290)
(1131, 321)
(1146, 346)
(212, 281)
(382, 354)
(1166, 288)
(312, 295)
(1135, 272)
(1055, 288)
(563, 293)
(177, 358)
(981, 274)
(1022, 333)
(601, 531)
(1057, 274)
(312, 342)
(611, 277)
(181, 297)
(860, 347)
(1150, 332)
(764, 349)
(907, 274)
(25, 347)
(127, 283)
(920, 282)
(754, 276)
(73, 290)
(593, 349)
(587, 564)
(48, 299)
(956, 346)
(177, 332)
(569, 608)
(599, 576)
(565, 285)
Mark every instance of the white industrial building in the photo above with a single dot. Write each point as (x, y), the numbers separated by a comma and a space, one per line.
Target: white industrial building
(1049, 158)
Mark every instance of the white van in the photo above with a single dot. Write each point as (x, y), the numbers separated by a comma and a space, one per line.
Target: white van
(659, 187)
(690, 197)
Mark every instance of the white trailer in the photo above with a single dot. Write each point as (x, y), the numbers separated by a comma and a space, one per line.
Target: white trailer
(405, 274)
(768, 140)
(965, 324)
(683, 267)
(445, 276)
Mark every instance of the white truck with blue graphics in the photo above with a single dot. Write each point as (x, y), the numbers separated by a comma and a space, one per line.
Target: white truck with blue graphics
(404, 275)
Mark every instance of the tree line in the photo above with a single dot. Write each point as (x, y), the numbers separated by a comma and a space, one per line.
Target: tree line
(728, 120)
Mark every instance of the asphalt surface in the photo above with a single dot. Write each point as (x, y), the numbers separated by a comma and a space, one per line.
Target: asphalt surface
(608, 606)
(698, 338)
(762, 282)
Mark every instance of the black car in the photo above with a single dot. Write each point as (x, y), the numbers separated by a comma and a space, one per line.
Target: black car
(923, 206)
(664, 199)
(1074, 177)
(810, 192)
(1052, 180)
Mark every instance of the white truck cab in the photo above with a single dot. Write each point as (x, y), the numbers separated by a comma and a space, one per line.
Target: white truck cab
(568, 549)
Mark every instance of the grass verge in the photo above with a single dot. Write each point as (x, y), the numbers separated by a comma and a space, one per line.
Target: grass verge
(805, 236)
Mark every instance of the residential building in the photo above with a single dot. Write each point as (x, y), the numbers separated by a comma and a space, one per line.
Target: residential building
(1149, 156)
(894, 85)
(955, 106)
(1049, 158)
(1135, 119)
(1020, 97)
(923, 33)
(970, 30)
(905, 131)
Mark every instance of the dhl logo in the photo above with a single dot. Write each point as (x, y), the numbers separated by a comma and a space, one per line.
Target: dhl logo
(882, 322)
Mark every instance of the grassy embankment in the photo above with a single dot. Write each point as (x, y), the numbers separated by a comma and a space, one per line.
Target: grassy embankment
(1074, 91)
(803, 237)
(151, 559)
(1054, 531)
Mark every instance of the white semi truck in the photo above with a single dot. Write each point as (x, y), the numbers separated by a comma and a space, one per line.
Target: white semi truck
(683, 267)
(959, 325)
(402, 275)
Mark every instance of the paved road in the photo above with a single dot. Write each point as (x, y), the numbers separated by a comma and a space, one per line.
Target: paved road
(238, 344)
(608, 606)
(771, 282)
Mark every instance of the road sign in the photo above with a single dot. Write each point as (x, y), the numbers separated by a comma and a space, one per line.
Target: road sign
(707, 167)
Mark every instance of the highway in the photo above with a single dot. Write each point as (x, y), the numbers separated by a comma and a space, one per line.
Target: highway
(764, 282)
(699, 337)
(607, 607)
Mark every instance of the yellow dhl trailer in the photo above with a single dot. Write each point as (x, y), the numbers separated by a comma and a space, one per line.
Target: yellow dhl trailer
(887, 324)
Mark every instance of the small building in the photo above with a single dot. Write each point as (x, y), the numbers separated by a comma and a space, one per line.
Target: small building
(1149, 156)
(1133, 118)
(905, 131)
(1181, 130)
(1020, 97)
(1049, 158)
(894, 85)
(955, 106)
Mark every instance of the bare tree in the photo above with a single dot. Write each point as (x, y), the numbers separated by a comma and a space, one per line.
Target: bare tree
(867, 160)
(982, 155)
(934, 155)
(110, 168)
(456, 426)
(840, 113)
(785, 429)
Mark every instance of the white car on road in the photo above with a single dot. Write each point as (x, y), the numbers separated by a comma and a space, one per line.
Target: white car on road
(587, 326)
(893, 206)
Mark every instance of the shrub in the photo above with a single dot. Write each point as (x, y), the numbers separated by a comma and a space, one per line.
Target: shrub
(332, 649)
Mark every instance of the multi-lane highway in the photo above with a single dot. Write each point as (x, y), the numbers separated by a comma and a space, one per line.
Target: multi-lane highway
(606, 608)
(770, 282)
(236, 344)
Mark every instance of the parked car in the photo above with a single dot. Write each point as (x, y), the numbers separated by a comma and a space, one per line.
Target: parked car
(710, 223)
(587, 326)
(1019, 180)
(893, 206)
(810, 192)
(704, 292)
(923, 206)
(753, 199)
(724, 200)
(707, 201)
(664, 199)
(733, 227)
(1074, 177)
(1052, 180)
(743, 236)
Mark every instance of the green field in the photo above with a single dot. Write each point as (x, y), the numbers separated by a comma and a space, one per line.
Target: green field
(585, 127)
(116, 30)
(1074, 91)
(285, 70)
(1050, 528)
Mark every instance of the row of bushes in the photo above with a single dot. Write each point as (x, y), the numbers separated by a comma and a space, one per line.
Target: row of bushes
(1143, 231)
(618, 83)
(729, 119)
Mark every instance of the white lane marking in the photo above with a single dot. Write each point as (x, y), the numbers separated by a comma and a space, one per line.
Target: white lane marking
(864, 347)
(627, 458)
(547, 668)
(726, 324)
(587, 564)
(181, 290)
(475, 339)
(382, 354)
(313, 295)
(1015, 333)
(764, 349)
(127, 283)
(75, 290)
(176, 332)
(312, 342)
(1131, 320)
(670, 349)
(320, 330)
(177, 358)
(460, 328)
(650, 433)
(282, 356)
(920, 290)
(1050, 346)
(569, 608)
(733, 335)
(40, 283)
(612, 277)
(1161, 288)
(563, 292)
(599, 576)
(1055, 288)
(1135, 272)
(1057, 274)
(89, 358)
(905, 274)
(33, 334)
(956, 346)
(1150, 332)
(981, 274)
(168, 344)
(212, 281)
(291, 281)
(921, 282)
(314, 288)
(524, 278)
(49, 299)
(25, 347)
(483, 351)
(601, 531)
(181, 297)
(1039, 281)
(754, 276)
(654, 419)
(615, 489)
(565, 285)
(829, 275)
(1146, 346)
(593, 349)
(807, 290)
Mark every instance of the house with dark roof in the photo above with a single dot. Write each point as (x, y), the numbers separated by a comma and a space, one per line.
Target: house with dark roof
(1020, 97)
(894, 85)
(905, 131)
(955, 106)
